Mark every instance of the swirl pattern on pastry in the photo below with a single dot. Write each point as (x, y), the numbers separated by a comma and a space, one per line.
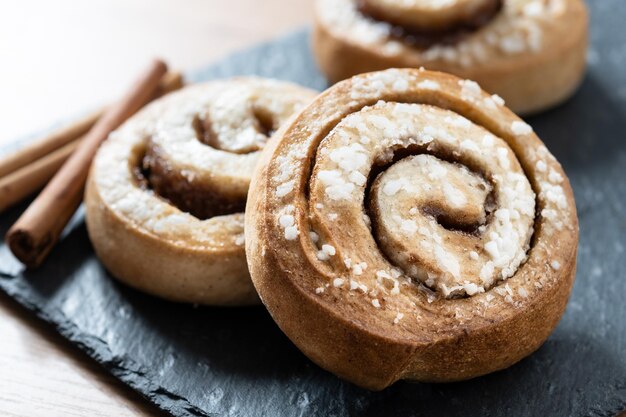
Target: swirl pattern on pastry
(431, 20)
(166, 192)
(407, 225)
(530, 52)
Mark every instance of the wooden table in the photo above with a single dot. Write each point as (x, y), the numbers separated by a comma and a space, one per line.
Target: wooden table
(59, 58)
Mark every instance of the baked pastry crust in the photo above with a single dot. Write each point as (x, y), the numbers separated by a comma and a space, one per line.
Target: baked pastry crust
(532, 53)
(166, 192)
(315, 233)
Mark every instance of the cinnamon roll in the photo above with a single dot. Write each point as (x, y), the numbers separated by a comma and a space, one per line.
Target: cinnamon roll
(530, 52)
(166, 192)
(407, 225)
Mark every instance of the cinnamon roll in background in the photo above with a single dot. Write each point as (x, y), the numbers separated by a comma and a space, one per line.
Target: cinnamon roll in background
(407, 225)
(530, 52)
(166, 191)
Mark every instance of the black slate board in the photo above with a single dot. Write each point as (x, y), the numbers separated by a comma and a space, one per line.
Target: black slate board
(235, 362)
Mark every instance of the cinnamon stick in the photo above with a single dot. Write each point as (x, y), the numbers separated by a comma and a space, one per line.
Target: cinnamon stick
(47, 144)
(24, 181)
(41, 147)
(34, 234)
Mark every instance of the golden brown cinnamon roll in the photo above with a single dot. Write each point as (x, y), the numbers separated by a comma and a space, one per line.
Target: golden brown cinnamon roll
(530, 52)
(407, 225)
(166, 192)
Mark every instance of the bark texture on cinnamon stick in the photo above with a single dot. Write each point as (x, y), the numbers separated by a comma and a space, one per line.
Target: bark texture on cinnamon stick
(34, 234)
(17, 185)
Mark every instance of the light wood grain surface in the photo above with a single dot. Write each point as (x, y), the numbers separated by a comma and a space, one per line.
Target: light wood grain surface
(58, 58)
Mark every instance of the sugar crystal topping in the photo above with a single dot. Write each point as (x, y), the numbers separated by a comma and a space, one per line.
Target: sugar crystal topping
(226, 108)
(518, 29)
(493, 200)
(506, 239)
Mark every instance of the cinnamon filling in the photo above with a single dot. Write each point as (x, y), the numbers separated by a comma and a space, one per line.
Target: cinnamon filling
(457, 221)
(189, 192)
(454, 32)
(184, 191)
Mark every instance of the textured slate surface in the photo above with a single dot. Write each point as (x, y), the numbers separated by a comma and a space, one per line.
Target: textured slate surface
(235, 362)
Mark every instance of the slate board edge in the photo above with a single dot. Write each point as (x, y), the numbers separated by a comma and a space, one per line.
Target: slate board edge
(97, 349)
